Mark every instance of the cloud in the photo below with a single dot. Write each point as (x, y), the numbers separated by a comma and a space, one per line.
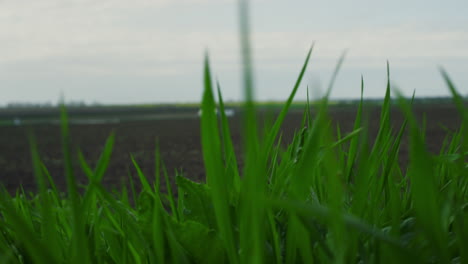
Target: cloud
(50, 29)
(148, 38)
(39, 30)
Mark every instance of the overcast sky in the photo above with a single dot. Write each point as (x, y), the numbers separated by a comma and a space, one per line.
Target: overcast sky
(147, 51)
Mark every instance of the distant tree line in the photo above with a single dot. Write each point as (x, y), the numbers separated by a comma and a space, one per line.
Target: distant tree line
(417, 100)
(79, 104)
(73, 104)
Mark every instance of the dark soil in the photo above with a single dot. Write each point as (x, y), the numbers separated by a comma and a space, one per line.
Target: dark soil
(179, 141)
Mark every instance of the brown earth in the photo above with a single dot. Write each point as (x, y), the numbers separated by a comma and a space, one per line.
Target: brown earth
(179, 141)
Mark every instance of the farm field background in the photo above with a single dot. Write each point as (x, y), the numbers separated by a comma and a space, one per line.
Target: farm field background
(177, 129)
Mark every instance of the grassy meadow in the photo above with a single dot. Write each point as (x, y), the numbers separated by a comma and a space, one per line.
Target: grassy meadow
(327, 197)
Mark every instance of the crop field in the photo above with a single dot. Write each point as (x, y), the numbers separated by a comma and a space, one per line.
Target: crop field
(321, 183)
(178, 222)
(178, 132)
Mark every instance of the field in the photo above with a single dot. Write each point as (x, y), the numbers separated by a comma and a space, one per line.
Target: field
(178, 132)
(331, 184)
(369, 182)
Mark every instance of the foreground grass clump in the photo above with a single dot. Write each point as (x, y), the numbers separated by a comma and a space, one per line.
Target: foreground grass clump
(326, 198)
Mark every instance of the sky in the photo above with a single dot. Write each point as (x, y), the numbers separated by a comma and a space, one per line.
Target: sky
(152, 51)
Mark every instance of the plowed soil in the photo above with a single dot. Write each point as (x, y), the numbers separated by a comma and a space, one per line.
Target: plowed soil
(179, 143)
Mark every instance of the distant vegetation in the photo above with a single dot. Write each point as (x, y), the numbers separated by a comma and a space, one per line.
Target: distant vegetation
(27, 105)
(82, 104)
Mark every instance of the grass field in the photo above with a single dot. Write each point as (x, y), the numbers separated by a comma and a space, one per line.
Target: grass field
(327, 197)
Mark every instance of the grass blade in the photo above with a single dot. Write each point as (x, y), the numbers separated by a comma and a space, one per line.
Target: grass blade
(211, 146)
(272, 135)
(229, 154)
(423, 187)
(80, 247)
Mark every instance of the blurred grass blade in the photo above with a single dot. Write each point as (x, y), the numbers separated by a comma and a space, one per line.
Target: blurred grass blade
(158, 220)
(47, 220)
(85, 166)
(424, 192)
(80, 247)
(276, 238)
(252, 212)
(460, 103)
(335, 74)
(104, 159)
(458, 100)
(144, 182)
(322, 214)
(49, 178)
(38, 250)
(169, 193)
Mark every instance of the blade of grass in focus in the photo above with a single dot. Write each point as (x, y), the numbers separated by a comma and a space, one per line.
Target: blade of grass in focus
(272, 135)
(211, 146)
(230, 160)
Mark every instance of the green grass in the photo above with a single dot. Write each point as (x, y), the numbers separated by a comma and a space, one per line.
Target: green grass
(327, 197)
